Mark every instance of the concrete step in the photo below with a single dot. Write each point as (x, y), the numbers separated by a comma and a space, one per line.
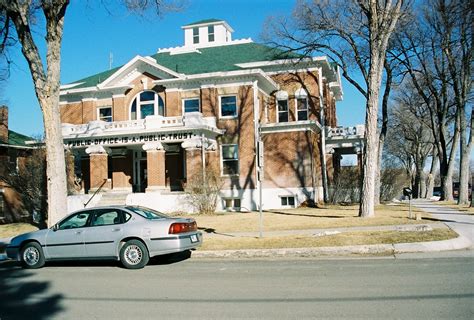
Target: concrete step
(112, 198)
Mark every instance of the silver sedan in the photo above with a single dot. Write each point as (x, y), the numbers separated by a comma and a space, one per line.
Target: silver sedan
(127, 233)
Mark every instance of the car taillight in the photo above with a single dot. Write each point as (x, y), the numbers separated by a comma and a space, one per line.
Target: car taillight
(182, 227)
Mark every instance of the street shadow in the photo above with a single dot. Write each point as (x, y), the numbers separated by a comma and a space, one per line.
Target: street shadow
(171, 258)
(82, 263)
(24, 297)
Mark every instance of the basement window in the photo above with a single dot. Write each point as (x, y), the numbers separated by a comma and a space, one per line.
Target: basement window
(231, 204)
(288, 201)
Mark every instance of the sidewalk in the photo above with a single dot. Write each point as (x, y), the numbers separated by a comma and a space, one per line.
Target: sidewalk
(461, 223)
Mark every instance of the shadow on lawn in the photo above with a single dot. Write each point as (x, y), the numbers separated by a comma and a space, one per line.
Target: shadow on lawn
(24, 297)
(310, 215)
(213, 231)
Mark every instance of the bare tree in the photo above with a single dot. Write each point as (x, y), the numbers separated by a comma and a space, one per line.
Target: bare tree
(411, 138)
(437, 55)
(354, 35)
(21, 16)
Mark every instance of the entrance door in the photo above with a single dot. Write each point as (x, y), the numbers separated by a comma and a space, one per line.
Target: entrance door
(174, 165)
(139, 171)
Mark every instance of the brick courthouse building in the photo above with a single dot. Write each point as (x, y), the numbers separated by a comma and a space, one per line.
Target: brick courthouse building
(142, 130)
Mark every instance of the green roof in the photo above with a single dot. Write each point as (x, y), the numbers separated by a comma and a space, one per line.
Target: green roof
(205, 60)
(95, 79)
(203, 21)
(17, 139)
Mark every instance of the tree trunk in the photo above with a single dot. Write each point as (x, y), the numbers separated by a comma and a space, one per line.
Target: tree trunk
(465, 151)
(432, 175)
(46, 84)
(381, 27)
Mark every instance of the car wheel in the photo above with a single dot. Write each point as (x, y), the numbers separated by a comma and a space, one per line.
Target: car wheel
(32, 256)
(134, 255)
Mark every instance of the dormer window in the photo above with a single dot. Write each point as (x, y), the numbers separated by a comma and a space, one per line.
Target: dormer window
(147, 103)
(195, 35)
(210, 34)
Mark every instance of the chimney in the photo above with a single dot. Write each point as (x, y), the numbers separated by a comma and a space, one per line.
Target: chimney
(4, 124)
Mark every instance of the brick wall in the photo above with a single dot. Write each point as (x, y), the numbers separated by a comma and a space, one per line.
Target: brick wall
(3, 124)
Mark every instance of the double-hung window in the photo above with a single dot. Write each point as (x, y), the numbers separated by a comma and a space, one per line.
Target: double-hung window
(282, 106)
(282, 110)
(302, 108)
(228, 106)
(195, 35)
(301, 104)
(230, 159)
(105, 114)
(210, 34)
(191, 105)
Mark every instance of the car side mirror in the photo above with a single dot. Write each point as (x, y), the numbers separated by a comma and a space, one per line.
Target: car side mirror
(56, 227)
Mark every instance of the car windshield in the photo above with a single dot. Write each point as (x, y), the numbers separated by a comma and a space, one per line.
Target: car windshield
(148, 213)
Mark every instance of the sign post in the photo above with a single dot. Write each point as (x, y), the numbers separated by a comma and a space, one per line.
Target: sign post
(260, 151)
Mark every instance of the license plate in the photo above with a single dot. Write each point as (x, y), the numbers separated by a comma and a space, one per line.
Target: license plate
(194, 238)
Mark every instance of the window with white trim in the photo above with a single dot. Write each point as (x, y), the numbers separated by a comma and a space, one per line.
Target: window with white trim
(302, 109)
(288, 201)
(195, 35)
(282, 110)
(282, 106)
(230, 159)
(210, 34)
(105, 114)
(228, 106)
(191, 105)
(301, 105)
(146, 103)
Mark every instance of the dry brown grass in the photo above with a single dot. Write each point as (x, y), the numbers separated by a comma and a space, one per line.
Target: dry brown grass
(307, 218)
(14, 229)
(342, 239)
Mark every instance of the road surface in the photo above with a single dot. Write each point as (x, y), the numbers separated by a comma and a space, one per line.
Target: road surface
(405, 287)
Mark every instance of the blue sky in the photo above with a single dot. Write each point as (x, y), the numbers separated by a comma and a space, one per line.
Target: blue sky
(92, 32)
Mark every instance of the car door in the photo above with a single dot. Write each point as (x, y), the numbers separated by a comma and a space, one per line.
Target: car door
(67, 239)
(105, 232)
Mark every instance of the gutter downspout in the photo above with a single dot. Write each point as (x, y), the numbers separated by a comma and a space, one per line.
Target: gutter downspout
(258, 169)
(323, 137)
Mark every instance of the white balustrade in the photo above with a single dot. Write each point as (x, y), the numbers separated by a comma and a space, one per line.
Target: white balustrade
(149, 123)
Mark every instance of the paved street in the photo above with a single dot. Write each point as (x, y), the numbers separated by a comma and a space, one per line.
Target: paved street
(376, 288)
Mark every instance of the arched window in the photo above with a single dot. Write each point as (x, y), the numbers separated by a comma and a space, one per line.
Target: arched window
(146, 103)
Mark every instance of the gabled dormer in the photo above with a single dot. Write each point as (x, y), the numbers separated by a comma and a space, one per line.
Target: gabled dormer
(207, 33)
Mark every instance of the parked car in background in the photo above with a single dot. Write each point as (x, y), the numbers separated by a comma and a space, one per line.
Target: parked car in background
(130, 234)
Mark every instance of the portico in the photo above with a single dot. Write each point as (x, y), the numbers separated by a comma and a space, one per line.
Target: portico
(154, 154)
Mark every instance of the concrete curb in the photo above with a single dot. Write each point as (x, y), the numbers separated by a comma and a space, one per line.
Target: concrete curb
(376, 249)
(458, 243)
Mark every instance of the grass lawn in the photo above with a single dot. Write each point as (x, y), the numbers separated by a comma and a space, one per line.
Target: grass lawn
(342, 239)
(14, 229)
(308, 218)
(299, 219)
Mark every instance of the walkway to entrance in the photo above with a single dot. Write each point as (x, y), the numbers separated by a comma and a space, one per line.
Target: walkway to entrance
(462, 223)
